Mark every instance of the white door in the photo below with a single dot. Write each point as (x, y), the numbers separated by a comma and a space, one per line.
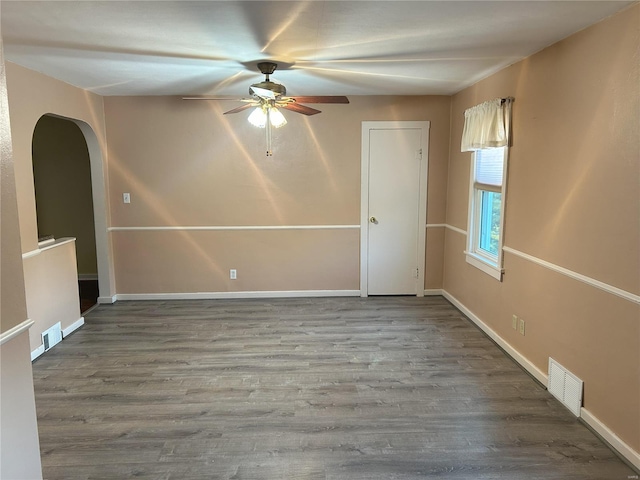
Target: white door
(395, 207)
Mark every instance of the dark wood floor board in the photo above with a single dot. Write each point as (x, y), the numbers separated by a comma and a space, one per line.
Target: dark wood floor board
(320, 389)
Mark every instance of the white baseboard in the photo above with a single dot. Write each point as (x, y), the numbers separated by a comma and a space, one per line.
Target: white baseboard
(616, 442)
(107, 300)
(610, 437)
(513, 353)
(430, 292)
(231, 295)
(73, 327)
(37, 352)
(65, 332)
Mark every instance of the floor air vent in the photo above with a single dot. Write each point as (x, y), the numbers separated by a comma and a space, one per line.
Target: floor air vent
(52, 336)
(565, 386)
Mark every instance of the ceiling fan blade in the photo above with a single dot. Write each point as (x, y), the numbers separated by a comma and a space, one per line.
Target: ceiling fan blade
(240, 108)
(236, 99)
(263, 93)
(296, 107)
(321, 99)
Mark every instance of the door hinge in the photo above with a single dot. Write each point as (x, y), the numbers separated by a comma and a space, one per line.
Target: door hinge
(417, 272)
(419, 154)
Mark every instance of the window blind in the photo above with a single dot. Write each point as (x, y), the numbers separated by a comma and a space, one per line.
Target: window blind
(489, 168)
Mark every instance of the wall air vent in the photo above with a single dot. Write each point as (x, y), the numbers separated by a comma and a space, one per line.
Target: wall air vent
(52, 336)
(565, 386)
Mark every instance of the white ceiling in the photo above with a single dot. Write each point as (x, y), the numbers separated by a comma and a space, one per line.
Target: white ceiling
(323, 47)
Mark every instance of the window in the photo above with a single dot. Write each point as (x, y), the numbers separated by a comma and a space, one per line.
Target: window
(486, 210)
(487, 133)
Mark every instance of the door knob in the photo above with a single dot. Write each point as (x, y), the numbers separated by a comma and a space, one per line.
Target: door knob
(373, 220)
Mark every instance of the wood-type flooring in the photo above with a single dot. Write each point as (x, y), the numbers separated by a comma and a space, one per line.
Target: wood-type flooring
(379, 388)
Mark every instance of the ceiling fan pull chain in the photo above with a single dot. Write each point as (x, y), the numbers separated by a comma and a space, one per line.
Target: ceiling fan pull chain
(268, 129)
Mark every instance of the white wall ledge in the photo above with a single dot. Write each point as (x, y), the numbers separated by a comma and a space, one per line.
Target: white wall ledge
(234, 227)
(575, 275)
(632, 297)
(47, 245)
(15, 331)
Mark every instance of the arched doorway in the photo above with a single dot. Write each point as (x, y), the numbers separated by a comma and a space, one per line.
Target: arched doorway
(70, 199)
(64, 200)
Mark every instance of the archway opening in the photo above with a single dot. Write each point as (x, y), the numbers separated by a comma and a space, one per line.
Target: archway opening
(64, 197)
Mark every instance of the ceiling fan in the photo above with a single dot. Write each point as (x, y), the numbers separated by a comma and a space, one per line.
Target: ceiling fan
(268, 97)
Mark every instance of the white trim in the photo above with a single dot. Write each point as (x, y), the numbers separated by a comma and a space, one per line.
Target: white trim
(46, 242)
(512, 352)
(364, 211)
(73, 327)
(31, 253)
(367, 126)
(87, 276)
(66, 332)
(456, 229)
(47, 246)
(431, 292)
(13, 332)
(232, 295)
(611, 438)
(37, 352)
(59, 242)
(104, 252)
(107, 300)
(423, 185)
(576, 276)
(478, 262)
(236, 227)
(490, 266)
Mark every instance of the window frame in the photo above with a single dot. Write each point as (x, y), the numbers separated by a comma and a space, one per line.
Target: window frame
(476, 256)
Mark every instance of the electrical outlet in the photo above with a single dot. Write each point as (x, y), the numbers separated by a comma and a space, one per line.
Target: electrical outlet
(514, 322)
(126, 197)
(521, 326)
(233, 274)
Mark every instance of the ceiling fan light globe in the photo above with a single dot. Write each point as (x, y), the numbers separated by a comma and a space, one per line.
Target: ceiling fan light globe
(258, 118)
(277, 118)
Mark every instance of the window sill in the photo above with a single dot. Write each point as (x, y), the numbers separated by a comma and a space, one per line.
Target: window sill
(482, 264)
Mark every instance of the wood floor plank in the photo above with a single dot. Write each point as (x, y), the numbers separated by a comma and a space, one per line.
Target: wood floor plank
(317, 389)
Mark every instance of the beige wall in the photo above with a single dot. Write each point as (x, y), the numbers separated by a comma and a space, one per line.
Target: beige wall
(12, 295)
(19, 445)
(62, 174)
(32, 95)
(51, 282)
(273, 260)
(185, 164)
(572, 200)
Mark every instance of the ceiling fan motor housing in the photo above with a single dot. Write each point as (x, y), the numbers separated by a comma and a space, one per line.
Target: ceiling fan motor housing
(267, 68)
(276, 88)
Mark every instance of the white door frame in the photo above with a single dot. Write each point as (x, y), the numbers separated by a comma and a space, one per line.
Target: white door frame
(364, 199)
(104, 252)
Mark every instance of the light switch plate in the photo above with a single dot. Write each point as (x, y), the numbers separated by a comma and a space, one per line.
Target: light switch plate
(126, 198)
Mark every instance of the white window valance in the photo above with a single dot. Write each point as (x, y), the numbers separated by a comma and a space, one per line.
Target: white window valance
(487, 125)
